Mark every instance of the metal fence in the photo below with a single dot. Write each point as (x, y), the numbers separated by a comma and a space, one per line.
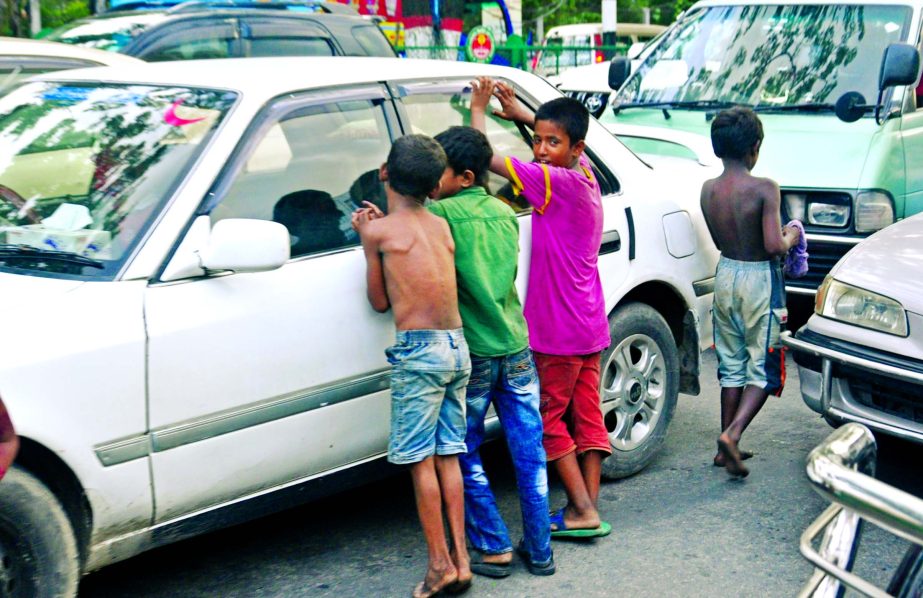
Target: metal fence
(549, 60)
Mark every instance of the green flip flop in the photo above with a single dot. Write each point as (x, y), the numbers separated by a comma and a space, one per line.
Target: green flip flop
(562, 531)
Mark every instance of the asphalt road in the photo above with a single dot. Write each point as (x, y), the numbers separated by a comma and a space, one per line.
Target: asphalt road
(681, 527)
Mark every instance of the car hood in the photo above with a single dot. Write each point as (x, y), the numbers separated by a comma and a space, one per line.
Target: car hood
(789, 153)
(888, 262)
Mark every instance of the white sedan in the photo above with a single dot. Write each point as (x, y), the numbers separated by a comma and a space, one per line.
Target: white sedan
(187, 341)
(20, 58)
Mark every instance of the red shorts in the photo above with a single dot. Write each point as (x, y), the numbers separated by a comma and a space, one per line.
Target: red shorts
(570, 409)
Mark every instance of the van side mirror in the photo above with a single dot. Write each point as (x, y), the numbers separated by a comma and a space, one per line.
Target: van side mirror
(619, 69)
(900, 65)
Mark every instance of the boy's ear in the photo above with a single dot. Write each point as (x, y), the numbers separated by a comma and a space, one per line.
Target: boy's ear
(434, 194)
(577, 148)
(468, 179)
(383, 173)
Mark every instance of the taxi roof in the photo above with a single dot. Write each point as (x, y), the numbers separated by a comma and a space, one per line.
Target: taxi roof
(13, 46)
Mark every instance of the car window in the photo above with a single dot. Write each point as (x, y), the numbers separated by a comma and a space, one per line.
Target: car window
(194, 43)
(372, 40)
(290, 46)
(310, 170)
(431, 113)
(14, 69)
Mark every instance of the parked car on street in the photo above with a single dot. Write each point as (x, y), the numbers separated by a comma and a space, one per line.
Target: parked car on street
(801, 65)
(21, 58)
(188, 342)
(842, 470)
(199, 30)
(860, 356)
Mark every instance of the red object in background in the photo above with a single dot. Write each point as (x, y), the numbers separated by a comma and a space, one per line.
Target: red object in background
(9, 442)
(598, 55)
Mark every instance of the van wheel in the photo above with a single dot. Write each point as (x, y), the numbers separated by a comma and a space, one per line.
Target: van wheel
(639, 382)
(38, 551)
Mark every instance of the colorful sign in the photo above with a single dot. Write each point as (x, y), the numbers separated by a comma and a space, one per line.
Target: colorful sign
(480, 46)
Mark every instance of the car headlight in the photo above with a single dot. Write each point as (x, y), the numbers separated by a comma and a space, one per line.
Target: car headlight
(829, 209)
(828, 214)
(840, 301)
(874, 211)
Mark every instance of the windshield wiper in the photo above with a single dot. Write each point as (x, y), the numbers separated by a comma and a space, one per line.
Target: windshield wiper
(690, 105)
(794, 108)
(28, 252)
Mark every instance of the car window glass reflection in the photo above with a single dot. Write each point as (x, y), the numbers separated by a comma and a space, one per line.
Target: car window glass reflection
(310, 171)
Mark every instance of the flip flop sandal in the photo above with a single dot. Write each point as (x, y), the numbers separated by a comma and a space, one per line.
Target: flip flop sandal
(495, 570)
(535, 569)
(562, 531)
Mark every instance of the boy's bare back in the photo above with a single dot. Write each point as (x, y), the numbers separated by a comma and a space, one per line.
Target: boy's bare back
(419, 269)
(742, 213)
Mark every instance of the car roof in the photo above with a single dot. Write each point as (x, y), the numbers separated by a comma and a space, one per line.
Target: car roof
(269, 77)
(12, 46)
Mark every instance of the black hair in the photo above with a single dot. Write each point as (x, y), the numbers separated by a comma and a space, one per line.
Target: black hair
(567, 113)
(735, 132)
(415, 165)
(467, 149)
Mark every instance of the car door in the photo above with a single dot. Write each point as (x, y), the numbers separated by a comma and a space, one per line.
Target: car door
(195, 38)
(260, 379)
(279, 36)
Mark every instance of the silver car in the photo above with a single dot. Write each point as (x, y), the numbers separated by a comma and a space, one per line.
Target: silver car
(860, 356)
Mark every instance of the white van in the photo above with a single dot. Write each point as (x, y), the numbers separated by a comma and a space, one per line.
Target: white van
(563, 46)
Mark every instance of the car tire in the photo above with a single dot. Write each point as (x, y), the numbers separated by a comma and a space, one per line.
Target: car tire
(639, 383)
(38, 550)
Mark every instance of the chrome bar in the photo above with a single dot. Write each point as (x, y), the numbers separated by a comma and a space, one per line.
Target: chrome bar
(830, 470)
(827, 571)
(867, 364)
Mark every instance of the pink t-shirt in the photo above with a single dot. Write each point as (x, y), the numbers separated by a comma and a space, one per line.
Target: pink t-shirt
(564, 308)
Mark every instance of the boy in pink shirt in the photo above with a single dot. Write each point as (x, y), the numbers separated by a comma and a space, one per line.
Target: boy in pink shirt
(565, 309)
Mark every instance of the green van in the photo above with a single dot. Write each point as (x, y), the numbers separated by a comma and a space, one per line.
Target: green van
(835, 84)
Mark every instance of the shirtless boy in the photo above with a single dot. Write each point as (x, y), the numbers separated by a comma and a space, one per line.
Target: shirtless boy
(411, 270)
(743, 216)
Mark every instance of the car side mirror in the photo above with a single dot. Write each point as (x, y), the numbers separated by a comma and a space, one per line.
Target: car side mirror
(900, 65)
(619, 69)
(246, 245)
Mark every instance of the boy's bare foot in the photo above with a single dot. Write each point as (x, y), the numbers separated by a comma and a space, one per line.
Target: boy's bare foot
(575, 520)
(732, 460)
(719, 458)
(464, 575)
(435, 582)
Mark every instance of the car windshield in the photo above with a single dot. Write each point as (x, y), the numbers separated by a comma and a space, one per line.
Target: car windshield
(86, 168)
(776, 55)
(105, 33)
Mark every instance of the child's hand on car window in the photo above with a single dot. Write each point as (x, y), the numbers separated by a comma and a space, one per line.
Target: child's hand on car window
(482, 89)
(362, 216)
(511, 108)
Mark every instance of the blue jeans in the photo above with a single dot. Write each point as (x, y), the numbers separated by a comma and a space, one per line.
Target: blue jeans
(511, 383)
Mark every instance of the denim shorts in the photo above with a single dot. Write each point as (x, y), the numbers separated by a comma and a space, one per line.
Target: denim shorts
(429, 373)
(749, 316)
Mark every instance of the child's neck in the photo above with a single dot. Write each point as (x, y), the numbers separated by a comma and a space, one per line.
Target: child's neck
(732, 166)
(398, 202)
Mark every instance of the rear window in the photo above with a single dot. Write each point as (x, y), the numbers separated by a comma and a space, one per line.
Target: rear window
(373, 41)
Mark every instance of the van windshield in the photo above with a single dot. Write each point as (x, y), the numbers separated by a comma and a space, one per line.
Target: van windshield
(770, 55)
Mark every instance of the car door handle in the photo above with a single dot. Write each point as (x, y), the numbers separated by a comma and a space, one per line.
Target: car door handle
(611, 242)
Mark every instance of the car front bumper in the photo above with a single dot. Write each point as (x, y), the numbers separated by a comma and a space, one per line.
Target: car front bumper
(853, 383)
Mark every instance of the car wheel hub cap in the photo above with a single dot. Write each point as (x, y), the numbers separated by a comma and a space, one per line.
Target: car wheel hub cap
(633, 387)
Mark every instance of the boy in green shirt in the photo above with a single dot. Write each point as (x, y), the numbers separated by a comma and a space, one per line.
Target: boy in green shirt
(486, 235)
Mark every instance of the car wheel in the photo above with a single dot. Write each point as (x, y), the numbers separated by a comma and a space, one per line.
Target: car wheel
(38, 551)
(639, 382)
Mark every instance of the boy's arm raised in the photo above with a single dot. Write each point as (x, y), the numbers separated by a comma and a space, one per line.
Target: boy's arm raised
(482, 89)
(376, 292)
(775, 241)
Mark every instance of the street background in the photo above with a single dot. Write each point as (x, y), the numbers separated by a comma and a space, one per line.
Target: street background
(681, 527)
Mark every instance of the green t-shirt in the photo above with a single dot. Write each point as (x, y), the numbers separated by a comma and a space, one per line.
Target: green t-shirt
(486, 235)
